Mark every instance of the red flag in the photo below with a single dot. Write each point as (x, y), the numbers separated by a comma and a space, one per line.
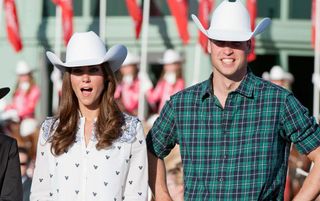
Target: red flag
(252, 8)
(205, 8)
(179, 9)
(67, 15)
(136, 14)
(12, 24)
(313, 28)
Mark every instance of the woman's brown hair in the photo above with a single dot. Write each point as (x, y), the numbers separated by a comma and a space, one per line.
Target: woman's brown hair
(108, 124)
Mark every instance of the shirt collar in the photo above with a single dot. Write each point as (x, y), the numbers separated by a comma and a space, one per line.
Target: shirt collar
(245, 88)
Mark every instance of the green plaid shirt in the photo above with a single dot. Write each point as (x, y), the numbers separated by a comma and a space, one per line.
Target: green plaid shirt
(238, 152)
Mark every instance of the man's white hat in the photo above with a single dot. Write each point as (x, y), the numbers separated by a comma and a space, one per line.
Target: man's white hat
(87, 49)
(28, 126)
(131, 59)
(171, 56)
(23, 68)
(231, 22)
(277, 73)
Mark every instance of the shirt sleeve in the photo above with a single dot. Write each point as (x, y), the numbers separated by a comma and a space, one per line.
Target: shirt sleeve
(163, 135)
(41, 184)
(12, 186)
(136, 187)
(299, 126)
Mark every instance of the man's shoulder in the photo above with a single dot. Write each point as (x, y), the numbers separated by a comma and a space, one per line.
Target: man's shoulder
(4, 139)
(263, 85)
(192, 91)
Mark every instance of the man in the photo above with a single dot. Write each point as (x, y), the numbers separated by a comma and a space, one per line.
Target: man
(234, 129)
(10, 178)
(26, 180)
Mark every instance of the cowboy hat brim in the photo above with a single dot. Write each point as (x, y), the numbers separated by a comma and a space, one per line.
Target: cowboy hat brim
(4, 91)
(228, 35)
(114, 56)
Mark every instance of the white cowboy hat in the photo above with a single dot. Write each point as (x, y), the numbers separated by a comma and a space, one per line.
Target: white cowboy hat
(28, 126)
(131, 59)
(87, 49)
(277, 73)
(231, 22)
(171, 56)
(23, 68)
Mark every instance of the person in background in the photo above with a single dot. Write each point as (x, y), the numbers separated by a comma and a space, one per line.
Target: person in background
(29, 131)
(26, 180)
(127, 91)
(171, 80)
(10, 176)
(90, 150)
(279, 77)
(27, 93)
(234, 129)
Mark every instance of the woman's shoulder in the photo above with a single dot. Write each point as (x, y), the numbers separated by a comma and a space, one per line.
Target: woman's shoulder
(47, 126)
(129, 128)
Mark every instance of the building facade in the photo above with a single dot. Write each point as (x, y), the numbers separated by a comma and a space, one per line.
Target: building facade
(285, 43)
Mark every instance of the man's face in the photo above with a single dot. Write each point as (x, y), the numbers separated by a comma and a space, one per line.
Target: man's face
(229, 58)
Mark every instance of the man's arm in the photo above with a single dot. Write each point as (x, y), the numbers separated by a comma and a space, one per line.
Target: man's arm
(157, 178)
(311, 186)
(12, 184)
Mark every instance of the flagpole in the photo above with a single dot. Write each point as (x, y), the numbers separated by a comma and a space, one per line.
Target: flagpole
(57, 50)
(143, 63)
(1, 11)
(316, 60)
(197, 59)
(102, 19)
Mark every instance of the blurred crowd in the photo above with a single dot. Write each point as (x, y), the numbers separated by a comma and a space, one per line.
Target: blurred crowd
(17, 117)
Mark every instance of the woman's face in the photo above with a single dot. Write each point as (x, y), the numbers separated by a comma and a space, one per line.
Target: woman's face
(88, 84)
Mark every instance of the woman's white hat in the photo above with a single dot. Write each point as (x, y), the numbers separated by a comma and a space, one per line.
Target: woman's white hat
(23, 68)
(131, 59)
(171, 56)
(231, 22)
(87, 49)
(277, 73)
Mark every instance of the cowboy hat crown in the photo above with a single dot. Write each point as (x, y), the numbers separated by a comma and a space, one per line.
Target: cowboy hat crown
(231, 22)
(171, 56)
(87, 49)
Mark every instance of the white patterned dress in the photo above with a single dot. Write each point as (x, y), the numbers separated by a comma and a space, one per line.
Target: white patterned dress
(83, 173)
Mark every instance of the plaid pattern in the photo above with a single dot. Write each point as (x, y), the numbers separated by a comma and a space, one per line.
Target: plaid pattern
(239, 152)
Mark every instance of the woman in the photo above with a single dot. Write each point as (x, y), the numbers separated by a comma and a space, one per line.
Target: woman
(171, 80)
(127, 92)
(90, 150)
(27, 93)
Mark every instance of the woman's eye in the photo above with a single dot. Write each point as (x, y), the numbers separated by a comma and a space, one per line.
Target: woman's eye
(76, 71)
(94, 70)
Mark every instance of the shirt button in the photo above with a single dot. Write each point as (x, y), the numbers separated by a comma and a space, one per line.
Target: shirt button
(220, 179)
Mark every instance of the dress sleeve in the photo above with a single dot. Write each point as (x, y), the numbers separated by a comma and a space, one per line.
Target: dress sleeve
(12, 186)
(41, 184)
(136, 188)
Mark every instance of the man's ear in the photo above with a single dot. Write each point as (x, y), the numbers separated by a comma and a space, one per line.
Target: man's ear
(209, 47)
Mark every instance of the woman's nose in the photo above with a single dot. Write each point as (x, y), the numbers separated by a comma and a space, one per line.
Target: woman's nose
(85, 77)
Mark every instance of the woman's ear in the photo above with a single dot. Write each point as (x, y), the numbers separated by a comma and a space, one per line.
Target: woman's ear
(249, 43)
(209, 46)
